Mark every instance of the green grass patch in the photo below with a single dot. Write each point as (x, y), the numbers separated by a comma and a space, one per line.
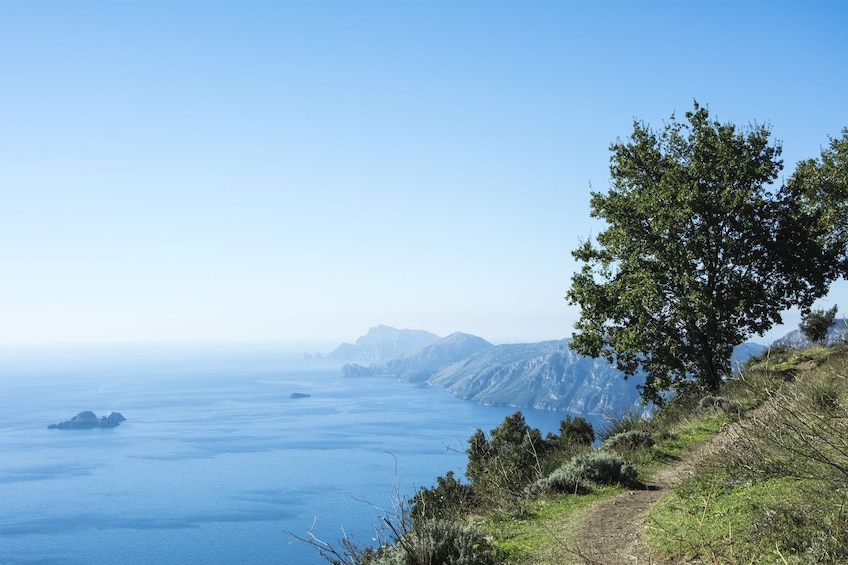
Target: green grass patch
(672, 443)
(720, 522)
(548, 525)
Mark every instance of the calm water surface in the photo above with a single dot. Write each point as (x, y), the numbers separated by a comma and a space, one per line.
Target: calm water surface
(215, 460)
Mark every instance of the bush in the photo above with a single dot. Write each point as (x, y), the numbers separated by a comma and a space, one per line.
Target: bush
(629, 441)
(449, 499)
(719, 404)
(629, 420)
(561, 481)
(573, 432)
(438, 542)
(823, 394)
(601, 468)
(502, 465)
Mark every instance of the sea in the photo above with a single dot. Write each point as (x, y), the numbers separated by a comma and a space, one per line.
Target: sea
(216, 462)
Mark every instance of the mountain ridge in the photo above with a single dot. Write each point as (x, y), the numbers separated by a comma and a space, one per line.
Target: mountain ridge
(545, 375)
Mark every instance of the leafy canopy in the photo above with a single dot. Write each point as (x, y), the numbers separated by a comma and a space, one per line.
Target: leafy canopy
(820, 188)
(815, 325)
(698, 252)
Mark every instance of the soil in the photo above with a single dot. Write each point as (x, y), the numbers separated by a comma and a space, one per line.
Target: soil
(610, 532)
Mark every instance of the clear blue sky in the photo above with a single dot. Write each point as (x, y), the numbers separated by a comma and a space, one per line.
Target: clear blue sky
(239, 171)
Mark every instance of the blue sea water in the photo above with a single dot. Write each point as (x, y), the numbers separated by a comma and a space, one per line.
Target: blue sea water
(216, 460)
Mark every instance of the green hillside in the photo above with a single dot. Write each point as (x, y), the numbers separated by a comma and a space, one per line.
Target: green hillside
(759, 476)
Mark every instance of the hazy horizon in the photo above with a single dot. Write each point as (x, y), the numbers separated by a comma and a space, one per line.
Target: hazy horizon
(275, 172)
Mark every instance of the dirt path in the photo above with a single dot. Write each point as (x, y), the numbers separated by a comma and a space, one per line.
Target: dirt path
(611, 531)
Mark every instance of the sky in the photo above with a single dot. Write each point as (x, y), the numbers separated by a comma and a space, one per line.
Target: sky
(216, 171)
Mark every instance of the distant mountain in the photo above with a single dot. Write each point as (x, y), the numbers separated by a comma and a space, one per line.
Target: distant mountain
(421, 364)
(383, 343)
(743, 352)
(837, 333)
(546, 375)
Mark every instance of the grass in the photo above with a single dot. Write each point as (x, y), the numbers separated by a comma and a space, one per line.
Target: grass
(687, 435)
(721, 523)
(777, 493)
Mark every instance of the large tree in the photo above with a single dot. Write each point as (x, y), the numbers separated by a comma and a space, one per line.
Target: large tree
(820, 188)
(698, 253)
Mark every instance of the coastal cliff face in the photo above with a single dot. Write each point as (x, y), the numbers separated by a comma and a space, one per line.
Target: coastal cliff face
(420, 365)
(546, 375)
(382, 343)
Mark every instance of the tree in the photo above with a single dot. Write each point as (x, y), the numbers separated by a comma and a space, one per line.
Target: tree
(573, 432)
(815, 325)
(499, 467)
(820, 188)
(698, 253)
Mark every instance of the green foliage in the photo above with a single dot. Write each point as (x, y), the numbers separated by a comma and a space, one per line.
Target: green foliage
(624, 422)
(819, 188)
(601, 468)
(573, 432)
(719, 404)
(631, 440)
(576, 435)
(561, 481)
(448, 500)
(698, 252)
(815, 325)
(776, 493)
(499, 467)
(438, 542)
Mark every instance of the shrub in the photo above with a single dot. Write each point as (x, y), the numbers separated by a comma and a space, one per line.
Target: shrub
(561, 481)
(601, 468)
(573, 432)
(629, 441)
(627, 421)
(449, 499)
(438, 542)
(719, 404)
(823, 394)
(576, 436)
(502, 465)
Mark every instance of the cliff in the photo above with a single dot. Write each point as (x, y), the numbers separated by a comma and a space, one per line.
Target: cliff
(546, 375)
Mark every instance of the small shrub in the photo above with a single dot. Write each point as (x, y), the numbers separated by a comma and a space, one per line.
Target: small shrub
(601, 468)
(502, 465)
(561, 481)
(574, 431)
(438, 541)
(629, 441)
(719, 404)
(629, 420)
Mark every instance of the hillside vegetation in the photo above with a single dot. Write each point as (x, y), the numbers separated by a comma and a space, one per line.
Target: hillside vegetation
(755, 474)
(774, 488)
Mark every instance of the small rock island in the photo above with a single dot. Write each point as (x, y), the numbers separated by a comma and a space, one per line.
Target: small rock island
(87, 420)
(299, 395)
